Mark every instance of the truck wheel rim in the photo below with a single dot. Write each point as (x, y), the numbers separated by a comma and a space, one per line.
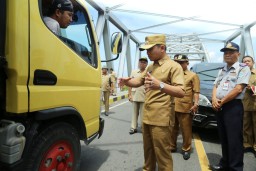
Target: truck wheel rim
(59, 157)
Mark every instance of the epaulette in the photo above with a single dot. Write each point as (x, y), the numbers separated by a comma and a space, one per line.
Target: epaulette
(242, 64)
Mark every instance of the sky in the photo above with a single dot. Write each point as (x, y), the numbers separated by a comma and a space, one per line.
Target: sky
(227, 11)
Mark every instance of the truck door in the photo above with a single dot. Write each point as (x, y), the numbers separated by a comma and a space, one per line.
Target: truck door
(64, 69)
(2, 54)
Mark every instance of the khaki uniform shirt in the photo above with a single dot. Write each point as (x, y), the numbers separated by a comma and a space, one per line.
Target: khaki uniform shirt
(113, 75)
(249, 101)
(105, 84)
(157, 106)
(192, 85)
(138, 94)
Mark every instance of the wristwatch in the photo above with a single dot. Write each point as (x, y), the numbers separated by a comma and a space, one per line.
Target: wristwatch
(161, 85)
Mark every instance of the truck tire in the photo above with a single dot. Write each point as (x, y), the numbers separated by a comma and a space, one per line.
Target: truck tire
(57, 148)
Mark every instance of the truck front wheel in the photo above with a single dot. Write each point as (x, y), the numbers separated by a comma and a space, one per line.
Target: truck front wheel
(56, 148)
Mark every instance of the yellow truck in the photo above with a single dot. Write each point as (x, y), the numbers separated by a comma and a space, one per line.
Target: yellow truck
(49, 87)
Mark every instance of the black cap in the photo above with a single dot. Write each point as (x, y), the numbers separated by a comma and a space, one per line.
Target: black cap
(230, 46)
(65, 5)
(179, 57)
(143, 59)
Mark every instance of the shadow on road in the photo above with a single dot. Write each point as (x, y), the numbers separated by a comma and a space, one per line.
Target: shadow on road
(213, 158)
(207, 135)
(90, 158)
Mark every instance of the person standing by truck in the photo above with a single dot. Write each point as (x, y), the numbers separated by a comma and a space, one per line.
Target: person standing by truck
(107, 81)
(113, 74)
(185, 108)
(227, 95)
(163, 79)
(137, 95)
(59, 15)
(249, 102)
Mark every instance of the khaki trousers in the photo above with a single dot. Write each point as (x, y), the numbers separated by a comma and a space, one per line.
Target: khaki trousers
(137, 111)
(114, 87)
(106, 95)
(184, 122)
(156, 141)
(249, 129)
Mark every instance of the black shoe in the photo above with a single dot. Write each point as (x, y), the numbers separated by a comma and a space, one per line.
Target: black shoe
(254, 153)
(106, 113)
(248, 149)
(174, 150)
(216, 168)
(132, 131)
(186, 155)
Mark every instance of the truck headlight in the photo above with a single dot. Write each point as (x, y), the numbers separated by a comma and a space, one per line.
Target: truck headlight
(203, 101)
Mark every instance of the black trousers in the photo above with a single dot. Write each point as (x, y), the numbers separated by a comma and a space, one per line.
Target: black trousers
(230, 127)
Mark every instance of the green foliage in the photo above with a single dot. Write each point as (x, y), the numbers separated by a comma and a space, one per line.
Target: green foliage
(125, 88)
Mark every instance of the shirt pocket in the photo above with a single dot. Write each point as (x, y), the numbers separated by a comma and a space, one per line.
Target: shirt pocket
(232, 80)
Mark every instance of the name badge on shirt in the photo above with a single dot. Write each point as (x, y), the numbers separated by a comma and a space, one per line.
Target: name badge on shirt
(225, 86)
(232, 73)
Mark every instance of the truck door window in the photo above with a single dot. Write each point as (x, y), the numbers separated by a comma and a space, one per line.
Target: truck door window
(79, 36)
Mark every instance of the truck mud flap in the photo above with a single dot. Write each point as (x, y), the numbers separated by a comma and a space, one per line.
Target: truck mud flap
(102, 121)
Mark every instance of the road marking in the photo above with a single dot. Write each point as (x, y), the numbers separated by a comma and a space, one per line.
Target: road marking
(103, 110)
(203, 159)
(118, 105)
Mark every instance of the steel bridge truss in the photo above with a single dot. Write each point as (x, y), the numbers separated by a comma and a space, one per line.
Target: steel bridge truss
(190, 44)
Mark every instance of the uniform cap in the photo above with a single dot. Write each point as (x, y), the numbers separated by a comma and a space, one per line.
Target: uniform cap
(230, 46)
(143, 59)
(153, 40)
(180, 57)
(104, 67)
(65, 5)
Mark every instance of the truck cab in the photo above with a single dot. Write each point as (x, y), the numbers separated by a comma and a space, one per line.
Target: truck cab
(50, 87)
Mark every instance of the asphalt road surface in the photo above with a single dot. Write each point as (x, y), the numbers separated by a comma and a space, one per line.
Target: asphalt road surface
(117, 150)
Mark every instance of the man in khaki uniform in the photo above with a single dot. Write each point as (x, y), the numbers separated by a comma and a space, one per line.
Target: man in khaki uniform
(185, 108)
(106, 83)
(137, 95)
(113, 75)
(163, 78)
(249, 102)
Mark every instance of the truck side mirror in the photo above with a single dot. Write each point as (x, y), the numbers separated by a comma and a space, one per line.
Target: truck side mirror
(116, 45)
